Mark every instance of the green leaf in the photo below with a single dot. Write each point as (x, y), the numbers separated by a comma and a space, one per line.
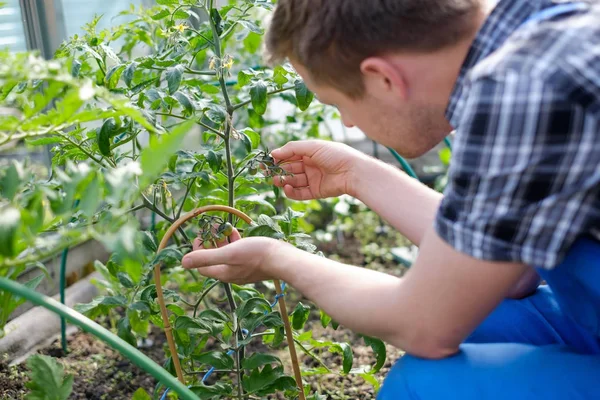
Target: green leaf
(11, 180)
(43, 141)
(217, 359)
(149, 241)
(252, 304)
(125, 280)
(217, 20)
(101, 305)
(445, 156)
(31, 284)
(174, 75)
(91, 196)
(257, 360)
(279, 76)
(251, 26)
(263, 230)
(210, 89)
(260, 380)
(303, 96)
(252, 42)
(184, 322)
(169, 256)
(141, 394)
(258, 97)
(48, 381)
(245, 77)
(181, 14)
(300, 316)
(111, 80)
(141, 306)
(380, 352)
(155, 157)
(247, 143)
(167, 2)
(347, 357)
(10, 221)
(216, 391)
(129, 72)
(253, 136)
(185, 102)
(325, 319)
(371, 380)
(216, 114)
(214, 160)
(76, 68)
(124, 331)
(265, 226)
(161, 14)
(106, 133)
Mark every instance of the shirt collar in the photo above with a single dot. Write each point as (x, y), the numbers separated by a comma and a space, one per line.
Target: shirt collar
(506, 17)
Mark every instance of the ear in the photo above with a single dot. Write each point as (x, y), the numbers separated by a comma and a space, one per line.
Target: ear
(384, 77)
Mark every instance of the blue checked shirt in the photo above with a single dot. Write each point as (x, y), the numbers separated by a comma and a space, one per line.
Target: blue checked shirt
(524, 182)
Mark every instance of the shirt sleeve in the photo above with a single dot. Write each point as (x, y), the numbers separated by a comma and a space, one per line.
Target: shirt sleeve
(524, 177)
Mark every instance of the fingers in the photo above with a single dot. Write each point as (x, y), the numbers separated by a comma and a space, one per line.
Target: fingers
(293, 167)
(215, 271)
(296, 181)
(301, 193)
(296, 150)
(235, 236)
(206, 258)
(197, 245)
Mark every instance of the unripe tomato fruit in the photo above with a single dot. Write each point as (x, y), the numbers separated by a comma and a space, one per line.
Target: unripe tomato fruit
(226, 229)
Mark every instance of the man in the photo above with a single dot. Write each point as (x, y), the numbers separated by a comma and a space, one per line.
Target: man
(519, 81)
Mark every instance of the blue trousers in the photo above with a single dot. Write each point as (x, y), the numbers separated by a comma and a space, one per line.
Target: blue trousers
(546, 346)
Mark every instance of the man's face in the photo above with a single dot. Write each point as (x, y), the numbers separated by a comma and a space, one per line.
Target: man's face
(411, 127)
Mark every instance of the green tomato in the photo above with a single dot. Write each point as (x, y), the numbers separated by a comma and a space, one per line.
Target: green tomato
(206, 244)
(226, 229)
(253, 171)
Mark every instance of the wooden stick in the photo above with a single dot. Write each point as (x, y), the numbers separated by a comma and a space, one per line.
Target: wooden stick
(290, 339)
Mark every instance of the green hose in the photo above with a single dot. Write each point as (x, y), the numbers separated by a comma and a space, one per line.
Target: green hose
(130, 352)
(448, 143)
(63, 285)
(62, 289)
(405, 165)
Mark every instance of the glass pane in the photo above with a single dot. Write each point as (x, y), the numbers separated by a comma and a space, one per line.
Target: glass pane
(80, 12)
(12, 34)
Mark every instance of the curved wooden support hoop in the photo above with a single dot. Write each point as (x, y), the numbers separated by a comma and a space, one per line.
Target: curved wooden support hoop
(165, 313)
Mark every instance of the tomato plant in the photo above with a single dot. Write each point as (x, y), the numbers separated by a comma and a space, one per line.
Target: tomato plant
(154, 118)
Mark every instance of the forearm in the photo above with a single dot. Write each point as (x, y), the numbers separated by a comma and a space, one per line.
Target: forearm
(358, 298)
(406, 204)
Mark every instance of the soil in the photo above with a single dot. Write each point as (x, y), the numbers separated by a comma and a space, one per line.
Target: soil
(101, 373)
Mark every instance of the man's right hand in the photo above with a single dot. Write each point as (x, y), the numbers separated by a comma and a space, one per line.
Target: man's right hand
(319, 169)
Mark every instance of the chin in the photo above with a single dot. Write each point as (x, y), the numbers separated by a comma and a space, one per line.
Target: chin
(411, 151)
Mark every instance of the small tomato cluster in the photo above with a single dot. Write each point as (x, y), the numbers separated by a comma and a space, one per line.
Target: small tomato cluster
(213, 230)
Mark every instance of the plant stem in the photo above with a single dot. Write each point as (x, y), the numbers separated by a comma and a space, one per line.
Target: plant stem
(202, 124)
(204, 294)
(82, 149)
(238, 335)
(203, 73)
(234, 24)
(152, 207)
(272, 92)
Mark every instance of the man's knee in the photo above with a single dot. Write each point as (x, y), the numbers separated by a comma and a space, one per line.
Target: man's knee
(416, 378)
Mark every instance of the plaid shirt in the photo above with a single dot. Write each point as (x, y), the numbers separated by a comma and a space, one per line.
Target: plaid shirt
(524, 182)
